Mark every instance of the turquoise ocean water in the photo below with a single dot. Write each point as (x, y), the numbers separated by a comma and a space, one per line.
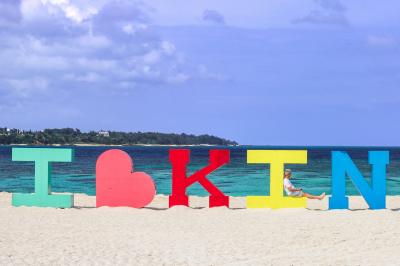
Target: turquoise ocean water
(235, 179)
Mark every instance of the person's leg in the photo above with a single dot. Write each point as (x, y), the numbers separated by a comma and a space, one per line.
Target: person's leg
(309, 196)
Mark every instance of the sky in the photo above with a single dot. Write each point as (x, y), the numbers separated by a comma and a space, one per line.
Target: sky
(276, 72)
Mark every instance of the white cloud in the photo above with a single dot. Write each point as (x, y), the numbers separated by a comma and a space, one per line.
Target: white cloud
(152, 57)
(30, 9)
(131, 28)
(328, 12)
(178, 78)
(94, 64)
(333, 5)
(213, 17)
(32, 62)
(168, 48)
(88, 77)
(382, 41)
(9, 12)
(73, 44)
(27, 87)
(71, 11)
(205, 73)
(93, 42)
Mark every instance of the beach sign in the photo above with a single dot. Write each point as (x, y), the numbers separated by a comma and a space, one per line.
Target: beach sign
(277, 160)
(374, 195)
(179, 159)
(118, 185)
(43, 157)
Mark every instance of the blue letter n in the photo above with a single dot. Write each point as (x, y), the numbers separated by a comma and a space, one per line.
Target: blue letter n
(374, 195)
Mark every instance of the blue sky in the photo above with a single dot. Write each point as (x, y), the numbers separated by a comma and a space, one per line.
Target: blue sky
(306, 72)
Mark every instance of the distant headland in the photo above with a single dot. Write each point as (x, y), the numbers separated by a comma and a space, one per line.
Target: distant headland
(71, 136)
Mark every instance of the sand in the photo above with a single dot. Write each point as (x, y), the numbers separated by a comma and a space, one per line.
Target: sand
(199, 236)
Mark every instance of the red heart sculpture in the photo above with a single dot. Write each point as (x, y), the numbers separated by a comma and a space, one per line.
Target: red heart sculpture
(117, 185)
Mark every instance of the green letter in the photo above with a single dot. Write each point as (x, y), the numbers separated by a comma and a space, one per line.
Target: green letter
(42, 158)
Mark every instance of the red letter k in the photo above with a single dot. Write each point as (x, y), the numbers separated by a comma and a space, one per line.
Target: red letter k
(180, 182)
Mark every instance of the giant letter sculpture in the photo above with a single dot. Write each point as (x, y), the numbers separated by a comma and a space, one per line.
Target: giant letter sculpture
(277, 159)
(42, 196)
(342, 164)
(180, 182)
(117, 185)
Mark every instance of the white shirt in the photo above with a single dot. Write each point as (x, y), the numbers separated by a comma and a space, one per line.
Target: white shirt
(286, 185)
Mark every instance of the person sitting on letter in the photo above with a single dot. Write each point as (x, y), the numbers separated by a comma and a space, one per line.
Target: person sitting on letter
(292, 191)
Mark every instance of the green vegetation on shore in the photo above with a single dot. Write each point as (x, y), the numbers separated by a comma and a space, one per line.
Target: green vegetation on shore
(66, 136)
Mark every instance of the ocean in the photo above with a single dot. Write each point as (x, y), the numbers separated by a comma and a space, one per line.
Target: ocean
(235, 179)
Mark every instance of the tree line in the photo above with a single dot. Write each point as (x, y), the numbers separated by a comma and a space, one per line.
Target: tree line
(66, 136)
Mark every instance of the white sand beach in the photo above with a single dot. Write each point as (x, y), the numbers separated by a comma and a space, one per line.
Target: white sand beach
(199, 236)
